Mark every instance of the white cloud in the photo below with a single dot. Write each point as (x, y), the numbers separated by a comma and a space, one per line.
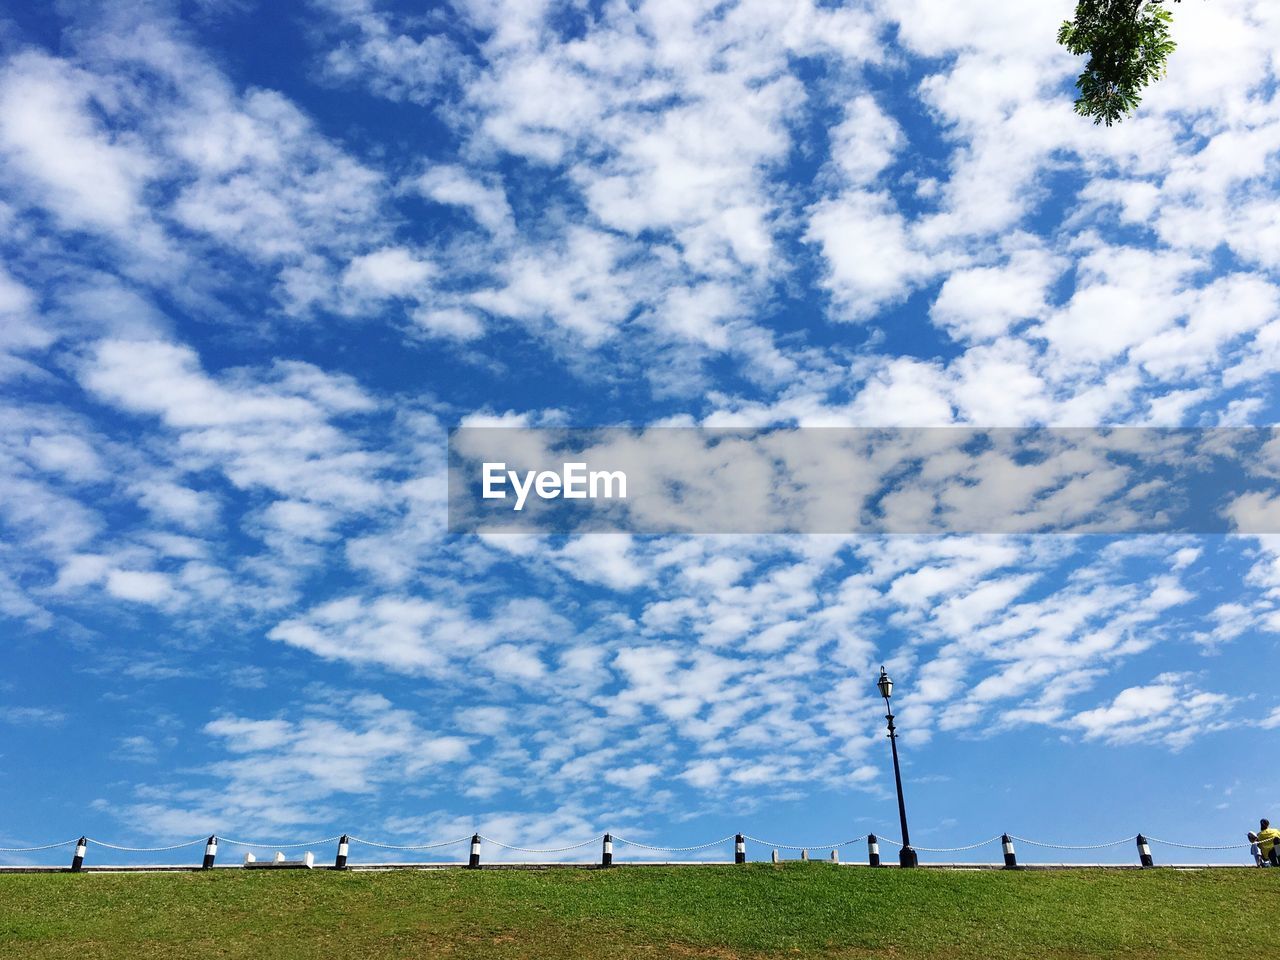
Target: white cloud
(418, 636)
(1122, 299)
(904, 393)
(865, 142)
(634, 778)
(137, 749)
(136, 134)
(391, 272)
(644, 187)
(395, 66)
(267, 184)
(1169, 710)
(282, 771)
(453, 185)
(66, 454)
(34, 716)
(20, 333)
(1254, 512)
(49, 131)
(984, 302)
(605, 558)
(143, 586)
(450, 323)
(576, 284)
(275, 435)
(871, 257)
(176, 503)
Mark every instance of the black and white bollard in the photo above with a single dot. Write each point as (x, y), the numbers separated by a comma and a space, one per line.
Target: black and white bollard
(340, 862)
(804, 854)
(777, 857)
(1010, 855)
(606, 854)
(1144, 852)
(77, 861)
(739, 849)
(873, 850)
(835, 856)
(210, 853)
(475, 851)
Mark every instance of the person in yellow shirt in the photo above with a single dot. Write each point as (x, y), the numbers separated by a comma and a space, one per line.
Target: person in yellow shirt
(1264, 844)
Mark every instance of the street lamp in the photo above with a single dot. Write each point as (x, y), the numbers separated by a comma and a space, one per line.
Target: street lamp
(906, 856)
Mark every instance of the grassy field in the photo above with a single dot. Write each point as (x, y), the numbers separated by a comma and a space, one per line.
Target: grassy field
(793, 910)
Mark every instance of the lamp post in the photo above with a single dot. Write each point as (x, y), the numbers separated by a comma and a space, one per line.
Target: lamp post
(906, 856)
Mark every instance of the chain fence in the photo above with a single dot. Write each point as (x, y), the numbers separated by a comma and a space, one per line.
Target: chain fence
(599, 838)
(277, 846)
(176, 846)
(47, 846)
(409, 846)
(1074, 846)
(811, 846)
(698, 846)
(574, 846)
(971, 846)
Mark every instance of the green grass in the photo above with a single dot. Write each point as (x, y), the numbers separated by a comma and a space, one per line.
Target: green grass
(795, 910)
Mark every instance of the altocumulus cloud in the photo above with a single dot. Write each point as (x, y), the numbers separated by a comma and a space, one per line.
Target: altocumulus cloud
(239, 309)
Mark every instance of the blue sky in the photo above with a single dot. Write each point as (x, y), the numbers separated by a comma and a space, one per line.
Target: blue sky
(259, 258)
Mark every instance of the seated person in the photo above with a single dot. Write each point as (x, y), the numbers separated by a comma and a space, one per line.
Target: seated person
(1265, 841)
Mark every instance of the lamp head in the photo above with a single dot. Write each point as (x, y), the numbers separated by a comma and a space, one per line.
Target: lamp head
(885, 684)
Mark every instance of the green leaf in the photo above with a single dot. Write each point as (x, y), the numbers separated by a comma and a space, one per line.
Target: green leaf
(1128, 44)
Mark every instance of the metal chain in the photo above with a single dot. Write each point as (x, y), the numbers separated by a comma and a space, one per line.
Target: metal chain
(701, 846)
(507, 846)
(1197, 846)
(972, 846)
(47, 846)
(399, 846)
(1068, 846)
(176, 846)
(278, 846)
(810, 846)
(624, 840)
